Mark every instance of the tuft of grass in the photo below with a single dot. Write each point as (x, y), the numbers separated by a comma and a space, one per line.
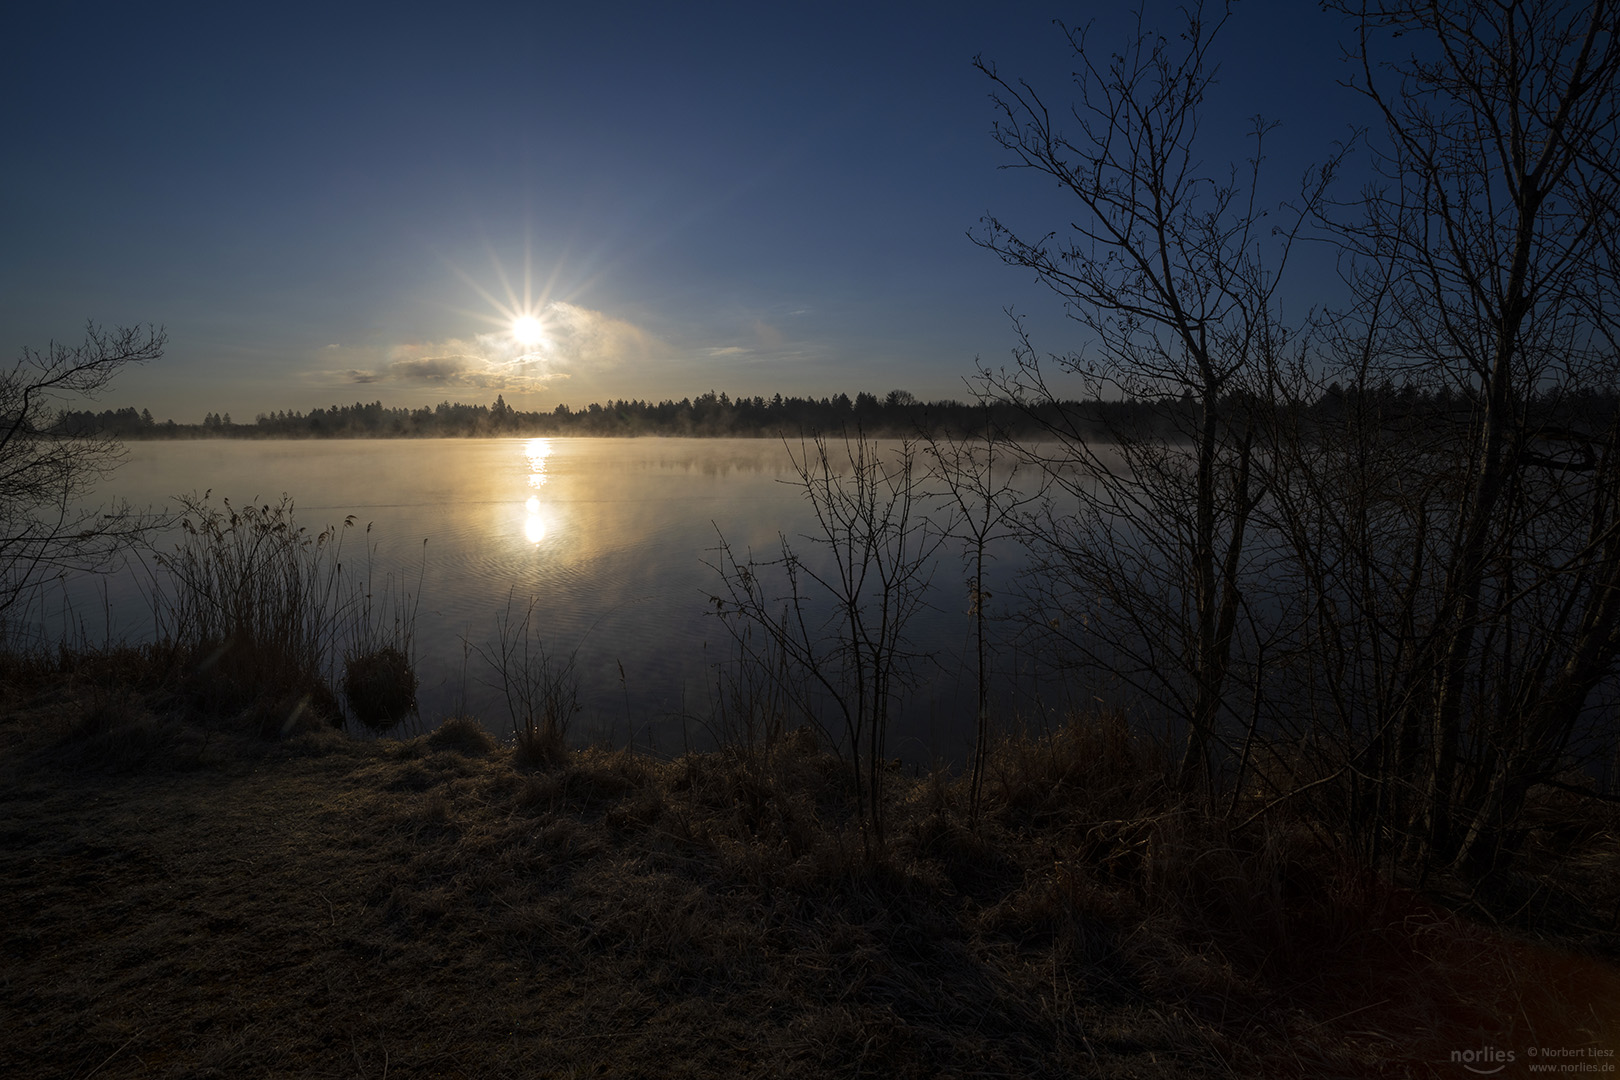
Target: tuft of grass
(115, 731)
(287, 715)
(539, 746)
(540, 686)
(1092, 766)
(463, 735)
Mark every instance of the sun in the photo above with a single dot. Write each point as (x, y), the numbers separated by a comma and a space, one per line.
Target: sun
(527, 330)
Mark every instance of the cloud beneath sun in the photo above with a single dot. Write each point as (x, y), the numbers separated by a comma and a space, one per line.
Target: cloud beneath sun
(576, 340)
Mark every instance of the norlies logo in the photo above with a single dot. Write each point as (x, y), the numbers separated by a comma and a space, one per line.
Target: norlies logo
(1485, 1062)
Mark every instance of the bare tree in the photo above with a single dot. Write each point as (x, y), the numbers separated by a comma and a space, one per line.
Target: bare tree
(982, 499)
(1485, 273)
(45, 525)
(833, 622)
(1173, 272)
(1416, 524)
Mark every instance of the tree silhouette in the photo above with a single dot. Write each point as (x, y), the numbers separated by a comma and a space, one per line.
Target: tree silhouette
(45, 477)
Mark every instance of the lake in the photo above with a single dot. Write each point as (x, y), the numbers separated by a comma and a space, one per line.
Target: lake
(608, 537)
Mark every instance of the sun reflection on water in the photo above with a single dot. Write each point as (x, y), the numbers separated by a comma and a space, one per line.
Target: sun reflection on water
(534, 525)
(537, 450)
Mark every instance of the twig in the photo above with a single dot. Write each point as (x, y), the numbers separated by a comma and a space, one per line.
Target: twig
(112, 1055)
(1279, 800)
(1573, 790)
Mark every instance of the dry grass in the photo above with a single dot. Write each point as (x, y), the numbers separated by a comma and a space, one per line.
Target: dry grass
(464, 735)
(180, 899)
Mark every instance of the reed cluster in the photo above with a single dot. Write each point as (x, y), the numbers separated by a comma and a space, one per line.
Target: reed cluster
(254, 611)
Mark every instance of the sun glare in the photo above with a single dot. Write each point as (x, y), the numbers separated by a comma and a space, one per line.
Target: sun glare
(527, 330)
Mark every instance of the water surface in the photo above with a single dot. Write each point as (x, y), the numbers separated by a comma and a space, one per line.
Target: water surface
(608, 537)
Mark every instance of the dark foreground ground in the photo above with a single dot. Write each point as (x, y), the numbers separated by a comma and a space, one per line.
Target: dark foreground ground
(180, 898)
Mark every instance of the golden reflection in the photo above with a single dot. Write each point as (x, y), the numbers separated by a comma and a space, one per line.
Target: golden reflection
(534, 526)
(537, 450)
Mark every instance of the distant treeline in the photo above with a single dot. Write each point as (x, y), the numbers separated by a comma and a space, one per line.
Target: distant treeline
(712, 414)
(898, 413)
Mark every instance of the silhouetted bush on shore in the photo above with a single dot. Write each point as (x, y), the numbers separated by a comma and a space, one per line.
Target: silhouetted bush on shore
(380, 687)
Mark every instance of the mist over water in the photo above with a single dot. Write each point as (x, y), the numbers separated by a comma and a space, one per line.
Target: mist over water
(609, 537)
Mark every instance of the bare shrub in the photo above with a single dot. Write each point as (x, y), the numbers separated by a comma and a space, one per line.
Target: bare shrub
(757, 695)
(379, 669)
(380, 687)
(828, 629)
(982, 500)
(540, 687)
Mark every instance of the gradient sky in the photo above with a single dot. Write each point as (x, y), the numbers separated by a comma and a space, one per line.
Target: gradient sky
(329, 207)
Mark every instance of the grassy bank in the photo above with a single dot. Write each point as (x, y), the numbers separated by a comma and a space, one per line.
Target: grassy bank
(187, 890)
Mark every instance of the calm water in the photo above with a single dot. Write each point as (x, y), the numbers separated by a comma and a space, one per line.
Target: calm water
(608, 536)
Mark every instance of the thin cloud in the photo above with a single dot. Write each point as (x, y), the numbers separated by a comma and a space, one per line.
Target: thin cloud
(577, 341)
(769, 336)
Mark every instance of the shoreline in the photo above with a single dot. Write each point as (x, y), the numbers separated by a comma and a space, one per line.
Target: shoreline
(185, 897)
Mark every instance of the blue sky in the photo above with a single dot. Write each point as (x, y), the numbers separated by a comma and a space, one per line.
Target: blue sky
(752, 198)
